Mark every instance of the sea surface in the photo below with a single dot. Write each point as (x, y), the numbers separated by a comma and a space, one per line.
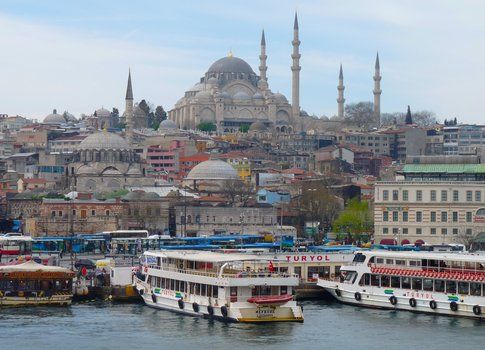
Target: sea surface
(328, 325)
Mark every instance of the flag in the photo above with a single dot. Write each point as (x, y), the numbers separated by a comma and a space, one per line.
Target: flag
(271, 267)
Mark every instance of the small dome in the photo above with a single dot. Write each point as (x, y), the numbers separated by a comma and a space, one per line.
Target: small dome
(86, 170)
(258, 126)
(258, 96)
(203, 95)
(133, 170)
(213, 170)
(111, 171)
(69, 117)
(104, 140)
(197, 87)
(167, 124)
(103, 112)
(212, 81)
(230, 64)
(54, 118)
(280, 98)
(241, 95)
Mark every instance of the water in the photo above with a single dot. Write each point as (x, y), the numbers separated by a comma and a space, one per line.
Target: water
(328, 325)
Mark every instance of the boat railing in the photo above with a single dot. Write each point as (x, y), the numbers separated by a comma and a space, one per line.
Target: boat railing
(449, 270)
(225, 274)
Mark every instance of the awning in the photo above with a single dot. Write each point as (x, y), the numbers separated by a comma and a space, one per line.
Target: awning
(405, 241)
(388, 241)
(419, 242)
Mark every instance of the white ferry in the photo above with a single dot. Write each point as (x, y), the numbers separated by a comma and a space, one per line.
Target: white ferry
(436, 283)
(231, 287)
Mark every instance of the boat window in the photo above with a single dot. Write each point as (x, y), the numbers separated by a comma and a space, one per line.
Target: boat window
(417, 283)
(406, 283)
(414, 263)
(428, 284)
(215, 291)
(379, 261)
(390, 261)
(475, 289)
(385, 281)
(365, 280)
(350, 277)
(395, 282)
(359, 257)
(283, 290)
(374, 280)
(439, 286)
(203, 289)
(400, 262)
(463, 287)
(450, 287)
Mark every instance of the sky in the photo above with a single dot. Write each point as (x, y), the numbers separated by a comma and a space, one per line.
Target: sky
(75, 55)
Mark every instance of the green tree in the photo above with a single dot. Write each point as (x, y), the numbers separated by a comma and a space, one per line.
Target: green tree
(244, 128)
(207, 126)
(356, 219)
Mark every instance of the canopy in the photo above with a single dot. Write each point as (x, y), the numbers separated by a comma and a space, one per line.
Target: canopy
(419, 242)
(405, 241)
(388, 241)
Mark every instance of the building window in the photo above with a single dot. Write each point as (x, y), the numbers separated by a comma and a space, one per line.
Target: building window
(444, 231)
(419, 216)
(107, 212)
(469, 216)
(93, 212)
(385, 230)
(455, 216)
(456, 196)
(74, 212)
(405, 216)
(433, 216)
(385, 195)
(405, 231)
(478, 196)
(433, 230)
(395, 216)
(419, 230)
(149, 211)
(468, 231)
(433, 196)
(419, 195)
(455, 231)
(395, 195)
(395, 231)
(53, 213)
(469, 196)
(444, 196)
(444, 216)
(385, 216)
(405, 195)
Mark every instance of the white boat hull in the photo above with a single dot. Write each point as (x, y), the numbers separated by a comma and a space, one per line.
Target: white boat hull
(376, 297)
(55, 300)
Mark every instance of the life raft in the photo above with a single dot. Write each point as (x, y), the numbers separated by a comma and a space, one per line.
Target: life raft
(270, 299)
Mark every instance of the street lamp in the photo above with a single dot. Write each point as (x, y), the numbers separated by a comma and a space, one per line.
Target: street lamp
(312, 191)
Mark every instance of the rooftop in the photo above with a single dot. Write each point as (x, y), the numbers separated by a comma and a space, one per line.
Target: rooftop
(204, 256)
(444, 168)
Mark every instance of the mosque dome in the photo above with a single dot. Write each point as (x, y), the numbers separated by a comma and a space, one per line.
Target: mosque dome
(167, 124)
(258, 96)
(197, 87)
(105, 141)
(258, 126)
(212, 81)
(54, 118)
(230, 64)
(203, 95)
(69, 117)
(241, 95)
(280, 98)
(103, 112)
(213, 170)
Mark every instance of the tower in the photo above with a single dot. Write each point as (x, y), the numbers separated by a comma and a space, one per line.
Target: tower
(295, 68)
(377, 92)
(129, 110)
(341, 99)
(263, 82)
(409, 118)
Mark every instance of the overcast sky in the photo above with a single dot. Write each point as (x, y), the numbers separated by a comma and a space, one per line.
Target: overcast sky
(74, 55)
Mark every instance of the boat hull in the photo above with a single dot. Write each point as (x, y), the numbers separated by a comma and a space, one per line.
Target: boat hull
(55, 300)
(378, 299)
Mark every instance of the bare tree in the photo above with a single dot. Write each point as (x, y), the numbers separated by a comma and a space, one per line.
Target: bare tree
(421, 118)
(237, 191)
(360, 114)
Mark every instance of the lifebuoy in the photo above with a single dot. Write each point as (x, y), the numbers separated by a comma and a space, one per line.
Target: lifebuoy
(181, 303)
(412, 302)
(154, 298)
(145, 269)
(357, 296)
(195, 307)
(453, 306)
(393, 300)
(432, 304)
(477, 310)
(338, 292)
(224, 311)
(210, 310)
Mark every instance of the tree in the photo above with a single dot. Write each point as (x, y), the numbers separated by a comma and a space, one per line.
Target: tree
(244, 128)
(356, 219)
(207, 126)
(144, 107)
(237, 191)
(360, 114)
(421, 118)
(159, 116)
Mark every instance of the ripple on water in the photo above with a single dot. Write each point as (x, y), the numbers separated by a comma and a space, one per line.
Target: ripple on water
(134, 326)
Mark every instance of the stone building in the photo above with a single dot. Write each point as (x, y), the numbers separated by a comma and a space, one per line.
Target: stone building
(145, 210)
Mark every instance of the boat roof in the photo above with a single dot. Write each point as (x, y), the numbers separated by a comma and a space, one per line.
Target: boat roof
(32, 266)
(427, 255)
(204, 256)
(16, 238)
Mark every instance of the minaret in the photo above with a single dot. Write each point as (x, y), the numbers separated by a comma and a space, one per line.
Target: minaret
(129, 110)
(295, 68)
(263, 82)
(377, 92)
(341, 88)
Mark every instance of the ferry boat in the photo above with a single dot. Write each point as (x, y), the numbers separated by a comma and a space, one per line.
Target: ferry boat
(216, 285)
(435, 283)
(30, 284)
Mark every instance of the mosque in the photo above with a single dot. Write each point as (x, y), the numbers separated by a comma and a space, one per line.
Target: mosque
(231, 95)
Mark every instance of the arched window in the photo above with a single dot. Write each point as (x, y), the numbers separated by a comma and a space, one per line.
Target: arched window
(189, 219)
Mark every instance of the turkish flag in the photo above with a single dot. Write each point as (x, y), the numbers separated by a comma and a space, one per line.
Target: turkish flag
(271, 267)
